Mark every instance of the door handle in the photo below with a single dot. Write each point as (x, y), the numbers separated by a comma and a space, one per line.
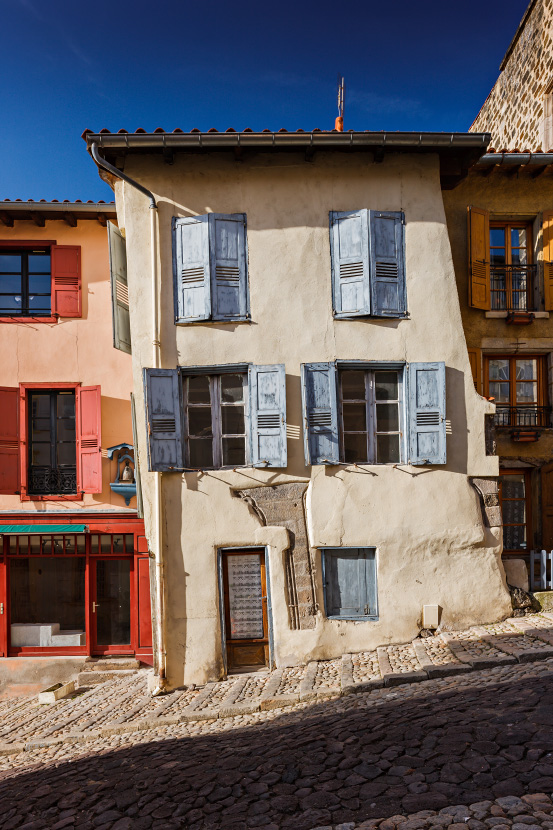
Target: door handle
(95, 605)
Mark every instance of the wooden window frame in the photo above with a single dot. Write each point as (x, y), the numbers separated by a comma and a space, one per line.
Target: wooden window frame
(370, 414)
(216, 405)
(508, 226)
(541, 380)
(528, 508)
(27, 244)
(324, 567)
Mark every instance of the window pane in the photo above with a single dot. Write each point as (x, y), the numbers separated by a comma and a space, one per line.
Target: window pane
(40, 455)
(232, 388)
(233, 420)
(39, 284)
(497, 237)
(500, 391)
(118, 544)
(526, 369)
(10, 284)
(497, 257)
(514, 537)
(353, 385)
(519, 256)
(66, 454)
(527, 392)
(39, 263)
(11, 304)
(39, 304)
(386, 386)
(512, 487)
(40, 429)
(198, 389)
(387, 417)
(65, 404)
(355, 417)
(66, 429)
(499, 370)
(201, 452)
(199, 420)
(105, 541)
(10, 262)
(129, 542)
(355, 448)
(514, 512)
(519, 237)
(234, 451)
(387, 449)
(40, 405)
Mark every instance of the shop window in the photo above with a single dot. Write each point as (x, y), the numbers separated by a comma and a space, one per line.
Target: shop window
(350, 590)
(518, 387)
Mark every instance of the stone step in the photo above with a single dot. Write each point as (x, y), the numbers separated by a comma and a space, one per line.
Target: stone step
(92, 678)
(104, 664)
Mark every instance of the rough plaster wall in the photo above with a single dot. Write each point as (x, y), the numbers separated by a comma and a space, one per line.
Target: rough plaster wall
(432, 544)
(513, 110)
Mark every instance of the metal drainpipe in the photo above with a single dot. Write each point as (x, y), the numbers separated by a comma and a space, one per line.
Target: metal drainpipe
(156, 344)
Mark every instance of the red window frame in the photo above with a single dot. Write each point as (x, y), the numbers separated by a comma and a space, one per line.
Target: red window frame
(29, 243)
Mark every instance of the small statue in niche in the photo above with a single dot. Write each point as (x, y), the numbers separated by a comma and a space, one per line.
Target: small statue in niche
(127, 474)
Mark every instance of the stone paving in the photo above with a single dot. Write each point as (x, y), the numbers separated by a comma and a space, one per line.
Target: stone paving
(122, 704)
(395, 757)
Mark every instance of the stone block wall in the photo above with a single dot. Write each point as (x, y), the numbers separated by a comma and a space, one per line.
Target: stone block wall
(514, 110)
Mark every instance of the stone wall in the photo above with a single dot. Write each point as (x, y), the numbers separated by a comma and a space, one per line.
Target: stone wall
(514, 110)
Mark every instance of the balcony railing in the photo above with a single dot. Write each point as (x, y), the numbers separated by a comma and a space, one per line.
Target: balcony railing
(46, 481)
(523, 416)
(513, 288)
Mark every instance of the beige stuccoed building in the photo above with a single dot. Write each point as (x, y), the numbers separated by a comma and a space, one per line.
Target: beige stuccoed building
(309, 433)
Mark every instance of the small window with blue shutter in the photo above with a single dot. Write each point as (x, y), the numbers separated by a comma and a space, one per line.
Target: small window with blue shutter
(349, 581)
(367, 250)
(210, 268)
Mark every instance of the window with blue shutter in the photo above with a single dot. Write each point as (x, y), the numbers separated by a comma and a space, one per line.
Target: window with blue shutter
(350, 589)
(320, 413)
(368, 263)
(268, 415)
(387, 264)
(349, 247)
(427, 425)
(164, 419)
(210, 268)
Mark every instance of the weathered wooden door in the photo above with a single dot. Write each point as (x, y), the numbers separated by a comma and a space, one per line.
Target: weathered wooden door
(245, 601)
(547, 506)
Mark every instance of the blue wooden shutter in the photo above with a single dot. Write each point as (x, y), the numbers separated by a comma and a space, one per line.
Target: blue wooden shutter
(320, 413)
(192, 285)
(229, 277)
(388, 294)
(119, 289)
(427, 442)
(267, 386)
(349, 251)
(164, 419)
(350, 583)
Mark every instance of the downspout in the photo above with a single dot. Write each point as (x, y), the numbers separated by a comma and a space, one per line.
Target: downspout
(156, 360)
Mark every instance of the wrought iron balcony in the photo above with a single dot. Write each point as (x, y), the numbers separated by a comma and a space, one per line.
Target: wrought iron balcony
(45, 481)
(513, 288)
(524, 416)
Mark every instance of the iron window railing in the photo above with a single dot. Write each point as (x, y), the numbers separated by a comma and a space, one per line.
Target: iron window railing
(512, 287)
(524, 415)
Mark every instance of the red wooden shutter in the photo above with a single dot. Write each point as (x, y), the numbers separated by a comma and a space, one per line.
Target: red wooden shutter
(89, 459)
(66, 280)
(9, 440)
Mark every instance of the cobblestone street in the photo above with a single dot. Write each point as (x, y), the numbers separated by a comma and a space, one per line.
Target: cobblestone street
(470, 748)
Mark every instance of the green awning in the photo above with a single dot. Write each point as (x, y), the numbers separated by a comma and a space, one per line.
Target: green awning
(44, 529)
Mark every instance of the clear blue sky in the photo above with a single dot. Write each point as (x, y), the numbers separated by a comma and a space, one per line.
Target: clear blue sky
(208, 63)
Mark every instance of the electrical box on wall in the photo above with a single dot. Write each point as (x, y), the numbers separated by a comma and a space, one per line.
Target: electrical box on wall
(430, 616)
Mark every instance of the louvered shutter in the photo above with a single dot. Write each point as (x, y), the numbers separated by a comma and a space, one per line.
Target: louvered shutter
(267, 387)
(427, 427)
(547, 231)
(320, 413)
(66, 280)
(475, 358)
(164, 419)
(228, 259)
(350, 583)
(387, 264)
(119, 289)
(192, 287)
(349, 251)
(89, 436)
(479, 258)
(9, 440)
(139, 502)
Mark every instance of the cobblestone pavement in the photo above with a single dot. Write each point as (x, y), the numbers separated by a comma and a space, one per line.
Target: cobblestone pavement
(122, 704)
(481, 741)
